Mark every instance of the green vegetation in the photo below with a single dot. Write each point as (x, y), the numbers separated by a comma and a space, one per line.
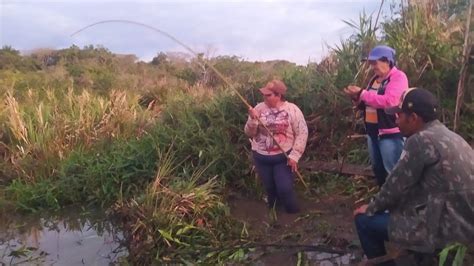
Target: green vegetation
(161, 143)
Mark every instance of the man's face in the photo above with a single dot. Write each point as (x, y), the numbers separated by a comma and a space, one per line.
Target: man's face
(406, 123)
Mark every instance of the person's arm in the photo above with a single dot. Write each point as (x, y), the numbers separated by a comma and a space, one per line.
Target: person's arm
(251, 127)
(417, 154)
(394, 90)
(300, 130)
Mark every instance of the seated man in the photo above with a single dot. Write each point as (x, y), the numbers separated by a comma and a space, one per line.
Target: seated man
(427, 201)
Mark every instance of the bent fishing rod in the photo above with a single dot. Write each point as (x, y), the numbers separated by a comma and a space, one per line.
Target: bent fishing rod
(201, 61)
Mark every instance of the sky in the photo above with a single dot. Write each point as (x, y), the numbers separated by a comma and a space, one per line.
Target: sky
(298, 31)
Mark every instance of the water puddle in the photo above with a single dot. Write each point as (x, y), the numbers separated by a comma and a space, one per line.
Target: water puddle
(327, 259)
(65, 239)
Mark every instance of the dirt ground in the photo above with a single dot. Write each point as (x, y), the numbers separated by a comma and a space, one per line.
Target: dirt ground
(323, 221)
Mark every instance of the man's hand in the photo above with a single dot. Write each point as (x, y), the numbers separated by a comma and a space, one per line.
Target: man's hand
(253, 113)
(352, 91)
(361, 210)
(293, 165)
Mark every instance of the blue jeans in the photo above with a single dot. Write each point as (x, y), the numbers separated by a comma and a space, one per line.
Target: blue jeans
(277, 179)
(373, 232)
(384, 155)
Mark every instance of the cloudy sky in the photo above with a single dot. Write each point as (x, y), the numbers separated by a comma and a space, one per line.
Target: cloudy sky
(296, 30)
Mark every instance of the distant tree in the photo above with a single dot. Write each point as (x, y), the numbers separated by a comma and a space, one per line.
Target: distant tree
(44, 56)
(10, 50)
(160, 59)
(9, 57)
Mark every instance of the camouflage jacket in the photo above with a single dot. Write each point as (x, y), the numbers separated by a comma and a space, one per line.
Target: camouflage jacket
(430, 192)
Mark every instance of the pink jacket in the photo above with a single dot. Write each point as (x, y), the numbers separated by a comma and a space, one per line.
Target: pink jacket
(393, 91)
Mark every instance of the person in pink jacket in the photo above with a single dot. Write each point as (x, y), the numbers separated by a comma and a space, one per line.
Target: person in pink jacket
(385, 142)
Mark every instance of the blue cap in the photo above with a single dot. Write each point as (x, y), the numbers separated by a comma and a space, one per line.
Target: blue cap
(382, 51)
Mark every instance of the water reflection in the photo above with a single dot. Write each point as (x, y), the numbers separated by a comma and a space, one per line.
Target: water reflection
(69, 238)
(323, 258)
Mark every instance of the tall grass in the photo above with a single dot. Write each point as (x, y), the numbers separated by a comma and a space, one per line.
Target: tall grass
(204, 128)
(44, 125)
(181, 216)
(96, 176)
(428, 46)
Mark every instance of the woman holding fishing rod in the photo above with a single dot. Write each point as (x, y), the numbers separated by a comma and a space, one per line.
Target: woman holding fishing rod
(385, 142)
(278, 141)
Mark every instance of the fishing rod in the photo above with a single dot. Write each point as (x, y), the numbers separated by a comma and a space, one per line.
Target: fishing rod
(203, 62)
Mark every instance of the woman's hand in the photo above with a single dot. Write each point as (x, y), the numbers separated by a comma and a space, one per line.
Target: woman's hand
(353, 91)
(361, 210)
(254, 114)
(293, 165)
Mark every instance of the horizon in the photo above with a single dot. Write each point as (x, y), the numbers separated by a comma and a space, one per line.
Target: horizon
(299, 32)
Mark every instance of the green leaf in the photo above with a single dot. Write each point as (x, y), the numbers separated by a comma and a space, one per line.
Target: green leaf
(166, 234)
(443, 255)
(185, 229)
(459, 258)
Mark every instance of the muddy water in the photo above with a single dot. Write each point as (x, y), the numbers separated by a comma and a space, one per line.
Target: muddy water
(69, 238)
(326, 222)
(76, 237)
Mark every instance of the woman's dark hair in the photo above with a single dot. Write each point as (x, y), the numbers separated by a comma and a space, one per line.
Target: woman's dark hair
(385, 59)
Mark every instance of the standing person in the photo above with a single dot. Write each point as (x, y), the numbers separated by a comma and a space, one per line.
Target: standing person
(429, 193)
(288, 127)
(385, 143)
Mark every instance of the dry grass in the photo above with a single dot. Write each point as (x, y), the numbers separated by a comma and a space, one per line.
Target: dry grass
(49, 124)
